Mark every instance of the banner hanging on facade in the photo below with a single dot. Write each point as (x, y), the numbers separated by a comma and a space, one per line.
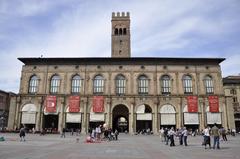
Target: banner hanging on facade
(51, 104)
(74, 104)
(192, 103)
(213, 104)
(98, 104)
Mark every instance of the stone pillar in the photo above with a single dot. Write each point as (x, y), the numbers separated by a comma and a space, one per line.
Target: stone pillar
(203, 114)
(17, 114)
(230, 113)
(12, 112)
(155, 119)
(109, 114)
(131, 119)
(84, 121)
(38, 117)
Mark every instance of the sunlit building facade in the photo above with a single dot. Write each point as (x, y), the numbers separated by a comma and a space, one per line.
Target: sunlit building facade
(126, 93)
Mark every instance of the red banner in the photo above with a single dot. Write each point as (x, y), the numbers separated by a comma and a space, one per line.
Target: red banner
(213, 104)
(98, 104)
(192, 102)
(51, 104)
(74, 104)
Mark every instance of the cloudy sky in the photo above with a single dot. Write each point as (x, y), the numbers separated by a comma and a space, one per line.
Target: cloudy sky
(82, 28)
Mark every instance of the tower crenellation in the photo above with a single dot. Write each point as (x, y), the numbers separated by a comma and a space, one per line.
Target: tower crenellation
(120, 15)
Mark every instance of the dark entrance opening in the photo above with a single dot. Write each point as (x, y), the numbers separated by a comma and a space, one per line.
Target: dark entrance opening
(120, 118)
(50, 123)
(237, 123)
(93, 125)
(143, 124)
(192, 128)
(75, 126)
(29, 127)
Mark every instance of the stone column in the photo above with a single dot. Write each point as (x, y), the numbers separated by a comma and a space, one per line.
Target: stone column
(230, 113)
(155, 119)
(108, 114)
(17, 114)
(38, 117)
(60, 118)
(131, 119)
(203, 114)
(84, 121)
(12, 112)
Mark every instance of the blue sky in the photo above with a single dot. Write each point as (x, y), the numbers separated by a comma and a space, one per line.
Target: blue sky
(77, 28)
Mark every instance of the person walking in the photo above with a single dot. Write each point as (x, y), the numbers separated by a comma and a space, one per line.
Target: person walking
(171, 134)
(185, 134)
(63, 133)
(206, 136)
(162, 134)
(180, 135)
(116, 134)
(22, 134)
(224, 133)
(216, 135)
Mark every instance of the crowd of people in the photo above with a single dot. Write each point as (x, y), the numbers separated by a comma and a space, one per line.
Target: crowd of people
(169, 135)
(102, 133)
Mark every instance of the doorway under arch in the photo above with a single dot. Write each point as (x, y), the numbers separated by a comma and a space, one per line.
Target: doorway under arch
(120, 118)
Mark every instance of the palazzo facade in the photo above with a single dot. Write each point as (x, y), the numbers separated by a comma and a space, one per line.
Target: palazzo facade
(126, 93)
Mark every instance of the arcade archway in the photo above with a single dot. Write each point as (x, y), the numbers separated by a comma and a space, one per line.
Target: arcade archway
(120, 118)
(144, 119)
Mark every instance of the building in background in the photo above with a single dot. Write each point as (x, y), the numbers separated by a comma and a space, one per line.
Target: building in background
(231, 86)
(126, 93)
(5, 98)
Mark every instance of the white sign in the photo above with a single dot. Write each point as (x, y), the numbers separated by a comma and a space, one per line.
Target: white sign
(28, 118)
(96, 117)
(73, 118)
(144, 116)
(168, 119)
(214, 118)
(191, 119)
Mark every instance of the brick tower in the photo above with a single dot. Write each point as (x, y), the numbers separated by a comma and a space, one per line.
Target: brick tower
(121, 35)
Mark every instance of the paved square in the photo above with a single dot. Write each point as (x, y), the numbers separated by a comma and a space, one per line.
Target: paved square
(127, 147)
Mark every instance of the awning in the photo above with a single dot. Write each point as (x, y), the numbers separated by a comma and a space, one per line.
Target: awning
(144, 116)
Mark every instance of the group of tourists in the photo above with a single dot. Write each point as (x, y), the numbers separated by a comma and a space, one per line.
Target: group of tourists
(167, 135)
(103, 133)
(216, 133)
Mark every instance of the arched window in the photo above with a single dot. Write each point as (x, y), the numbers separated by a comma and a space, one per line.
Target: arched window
(120, 31)
(98, 84)
(124, 31)
(143, 84)
(208, 84)
(33, 84)
(116, 31)
(120, 84)
(187, 84)
(55, 84)
(76, 84)
(165, 84)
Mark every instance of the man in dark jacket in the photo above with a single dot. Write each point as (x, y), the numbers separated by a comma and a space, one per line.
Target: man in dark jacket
(22, 134)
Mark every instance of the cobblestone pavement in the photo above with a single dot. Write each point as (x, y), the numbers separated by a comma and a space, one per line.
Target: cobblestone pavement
(127, 147)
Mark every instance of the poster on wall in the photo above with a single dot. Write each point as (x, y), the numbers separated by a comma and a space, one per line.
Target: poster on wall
(213, 104)
(98, 104)
(192, 103)
(51, 104)
(74, 104)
